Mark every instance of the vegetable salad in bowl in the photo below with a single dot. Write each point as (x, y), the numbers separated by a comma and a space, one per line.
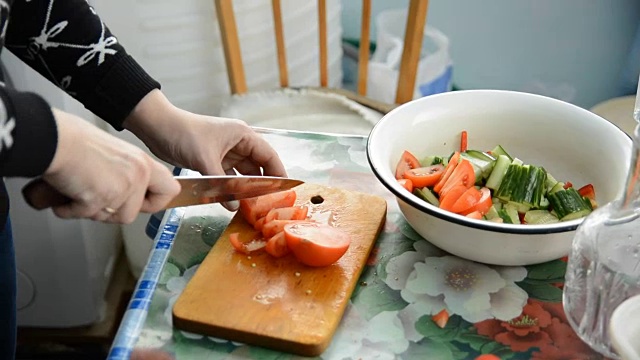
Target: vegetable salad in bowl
(493, 185)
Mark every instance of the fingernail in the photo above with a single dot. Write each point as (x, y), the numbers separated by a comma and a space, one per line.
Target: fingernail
(233, 205)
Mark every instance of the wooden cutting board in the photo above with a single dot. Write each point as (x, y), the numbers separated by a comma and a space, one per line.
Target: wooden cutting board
(280, 303)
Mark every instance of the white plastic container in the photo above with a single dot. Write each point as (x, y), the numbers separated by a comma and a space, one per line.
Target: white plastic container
(434, 68)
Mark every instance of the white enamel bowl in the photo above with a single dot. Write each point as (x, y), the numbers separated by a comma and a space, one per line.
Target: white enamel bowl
(571, 143)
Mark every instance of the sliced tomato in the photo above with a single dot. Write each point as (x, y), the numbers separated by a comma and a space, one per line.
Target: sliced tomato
(254, 208)
(275, 226)
(474, 215)
(407, 184)
(447, 202)
(484, 204)
(567, 185)
(425, 176)
(316, 244)
(407, 162)
(453, 163)
(277, 245)
(587, 191)
(248, 246)
(466, 201)
(463, 174)
(463, 141)
(441, 318)
(260, 223)
(287, 213)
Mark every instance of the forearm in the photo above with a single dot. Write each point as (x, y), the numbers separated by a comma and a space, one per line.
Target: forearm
(67, 42)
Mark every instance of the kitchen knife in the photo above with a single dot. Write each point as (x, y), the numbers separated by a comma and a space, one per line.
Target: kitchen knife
(195, 190)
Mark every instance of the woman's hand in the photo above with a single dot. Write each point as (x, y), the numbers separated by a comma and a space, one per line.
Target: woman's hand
(98, 171)
(210, 145)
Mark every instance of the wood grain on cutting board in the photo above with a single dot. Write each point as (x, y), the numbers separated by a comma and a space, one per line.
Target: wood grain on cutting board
(280, 303)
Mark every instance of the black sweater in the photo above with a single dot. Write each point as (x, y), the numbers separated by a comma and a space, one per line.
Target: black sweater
(65, 41)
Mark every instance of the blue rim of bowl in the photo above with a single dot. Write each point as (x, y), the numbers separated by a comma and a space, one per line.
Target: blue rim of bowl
(459, 219)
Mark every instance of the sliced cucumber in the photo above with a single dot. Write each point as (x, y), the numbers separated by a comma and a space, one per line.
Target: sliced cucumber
(512, 211)
(520, 207)
(557, 187)
(492, 213)
(551, 182)
(431, 160)
(426, 195)
(499, 150)
(481, 167)
(539, 217)
(480, 155)
(517, 161)
(498, 172)
(569, 204)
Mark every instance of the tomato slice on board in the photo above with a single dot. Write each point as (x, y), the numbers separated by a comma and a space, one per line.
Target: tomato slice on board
(407, 162)
(446, 202)
(246, 247)
(275, 226)
(287, 213)
(254, 208)
(260, 223)
(466, 201)
(474, 215)
(425, 176)
(277, 245)
(407, 184)
(587, 191)
(484, 204)
(463, 174)
(316, 244)
(453, 163)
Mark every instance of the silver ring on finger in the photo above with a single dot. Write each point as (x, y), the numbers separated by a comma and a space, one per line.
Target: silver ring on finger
(109, 210)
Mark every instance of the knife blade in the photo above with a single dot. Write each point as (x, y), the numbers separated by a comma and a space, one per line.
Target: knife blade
(213, 189)
(194, 190)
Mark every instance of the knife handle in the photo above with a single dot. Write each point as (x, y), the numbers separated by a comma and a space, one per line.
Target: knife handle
(40, 195)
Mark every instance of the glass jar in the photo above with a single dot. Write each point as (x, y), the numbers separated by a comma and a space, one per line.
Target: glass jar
(604, 263)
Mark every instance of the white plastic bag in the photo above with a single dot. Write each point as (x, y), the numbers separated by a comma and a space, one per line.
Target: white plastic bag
(434, 67)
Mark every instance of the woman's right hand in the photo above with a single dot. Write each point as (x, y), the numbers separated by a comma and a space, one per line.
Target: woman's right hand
(98, 171)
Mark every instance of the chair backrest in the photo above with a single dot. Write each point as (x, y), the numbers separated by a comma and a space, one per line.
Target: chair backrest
(416, 18)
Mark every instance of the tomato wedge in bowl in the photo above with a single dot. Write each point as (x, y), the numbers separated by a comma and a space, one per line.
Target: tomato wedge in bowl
(316, 244)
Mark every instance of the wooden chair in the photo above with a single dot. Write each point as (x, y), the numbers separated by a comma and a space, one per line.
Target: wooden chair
(416, 18)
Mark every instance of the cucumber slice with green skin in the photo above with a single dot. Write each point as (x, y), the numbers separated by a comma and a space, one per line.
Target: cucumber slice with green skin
(482, 168)
(480, 155)
(492, 213)
(426, 195)
(538, 217)
(509, 182)
(517, 161)
(499, 150)
(431, 160)
(557, 187)
(568, 204)
(512, 211)
(496, 203)
(544, 203)
(550, 182)
(498, 172)
(520, 207)
(502, 213)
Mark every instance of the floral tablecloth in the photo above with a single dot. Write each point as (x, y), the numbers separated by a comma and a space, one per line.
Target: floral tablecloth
(511, 312)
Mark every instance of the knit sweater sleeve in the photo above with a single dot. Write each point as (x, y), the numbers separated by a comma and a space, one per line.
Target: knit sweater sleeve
(66, 41)
(28, 135)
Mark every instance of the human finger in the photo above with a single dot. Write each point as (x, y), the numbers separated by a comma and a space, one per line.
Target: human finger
(248, 167)
(266, 157)
(163, 187)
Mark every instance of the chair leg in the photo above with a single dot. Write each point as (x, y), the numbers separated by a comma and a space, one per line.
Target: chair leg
(416, 19)
(322, 31)
(280, 45)
(363, 58)
(231, 45)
